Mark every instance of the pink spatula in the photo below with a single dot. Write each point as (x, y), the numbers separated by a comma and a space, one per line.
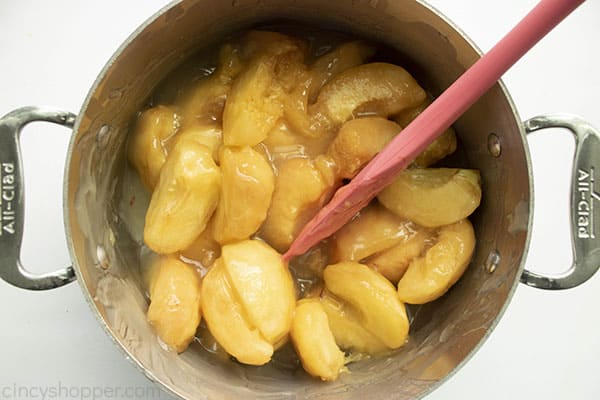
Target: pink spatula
(446, 109)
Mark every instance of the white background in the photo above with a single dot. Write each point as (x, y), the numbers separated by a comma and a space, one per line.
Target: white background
(546, 345)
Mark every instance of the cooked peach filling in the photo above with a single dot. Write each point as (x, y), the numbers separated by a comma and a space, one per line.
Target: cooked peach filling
(240, 160)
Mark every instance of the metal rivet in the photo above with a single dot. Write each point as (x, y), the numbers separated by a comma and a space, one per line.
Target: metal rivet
(492, 261)
(102, 135)
(102, 257)
(115, 94)
(494, 146)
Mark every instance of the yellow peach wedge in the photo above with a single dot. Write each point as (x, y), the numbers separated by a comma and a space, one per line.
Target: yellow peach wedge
(371, 89)
(393, 262)
(345, 324)
(433, 197)
(148, 146)
(302, 186)
(375, 229)
(248, 301)
(372, 297)
(174, 309)
(359, 140)
(314, 342)
(184, 200)
(248, 176)
(430, 276)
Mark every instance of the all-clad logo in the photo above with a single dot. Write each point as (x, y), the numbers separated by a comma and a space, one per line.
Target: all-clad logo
(7, 198)
(585, 204)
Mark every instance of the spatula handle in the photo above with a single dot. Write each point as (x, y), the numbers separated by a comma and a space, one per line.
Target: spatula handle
(446, 109)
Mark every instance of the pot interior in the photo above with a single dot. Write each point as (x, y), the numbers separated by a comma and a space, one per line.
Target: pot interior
(106, 248)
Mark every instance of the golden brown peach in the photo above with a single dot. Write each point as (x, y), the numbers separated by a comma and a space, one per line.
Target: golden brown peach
(184, 200)
(370, 89)
(227, 320)
(346, 326)
(393, 262)
(263, 285)
(433, 197)
(373, 297)
(174, 309)
(358, 141)
(148, 146)
(248, 183)
(430, 276)
(373, 230)
(314, 342)
(302, 186)
(343, 57)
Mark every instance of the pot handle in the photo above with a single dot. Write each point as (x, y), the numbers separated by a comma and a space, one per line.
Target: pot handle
(585, 237)
(12, 204)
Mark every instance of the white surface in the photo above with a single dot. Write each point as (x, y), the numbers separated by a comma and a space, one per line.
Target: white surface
(546, 345)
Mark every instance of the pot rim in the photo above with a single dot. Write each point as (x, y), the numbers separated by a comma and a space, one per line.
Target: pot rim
(67, 187)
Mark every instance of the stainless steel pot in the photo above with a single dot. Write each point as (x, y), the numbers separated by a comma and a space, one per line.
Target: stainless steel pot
(104, 255)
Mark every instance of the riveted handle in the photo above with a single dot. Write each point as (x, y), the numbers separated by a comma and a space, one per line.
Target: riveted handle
(585, 203)
(12, 204)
